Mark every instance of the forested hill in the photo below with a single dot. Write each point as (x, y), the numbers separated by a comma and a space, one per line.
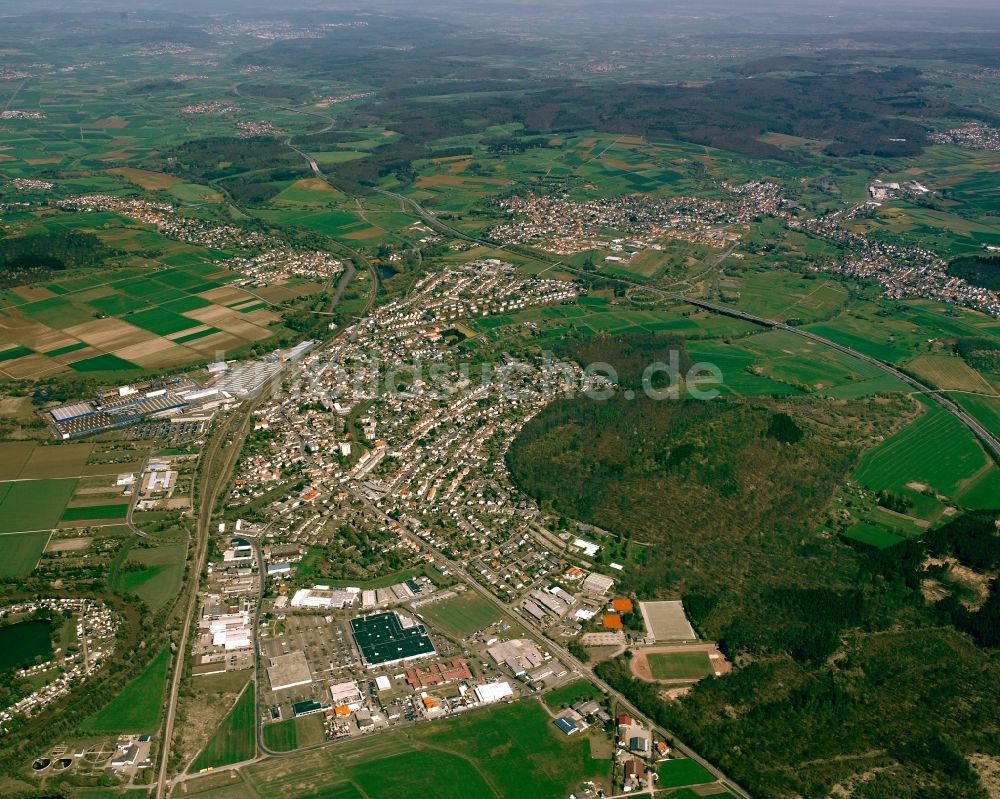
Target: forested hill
(728, 493)
(843, 667)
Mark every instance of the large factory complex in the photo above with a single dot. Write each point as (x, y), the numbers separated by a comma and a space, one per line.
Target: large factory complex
(176, 398)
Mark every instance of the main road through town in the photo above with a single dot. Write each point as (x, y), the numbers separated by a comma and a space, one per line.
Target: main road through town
(561, 652)
(218, 461)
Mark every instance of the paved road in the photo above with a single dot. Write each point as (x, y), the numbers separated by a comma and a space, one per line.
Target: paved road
(985, 436)
(227, 441)
(563, 654)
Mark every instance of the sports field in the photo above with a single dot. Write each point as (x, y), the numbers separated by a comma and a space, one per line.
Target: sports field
(667, 621)
(461, 616)
(680, 665)
(235, 740)
(139, 706)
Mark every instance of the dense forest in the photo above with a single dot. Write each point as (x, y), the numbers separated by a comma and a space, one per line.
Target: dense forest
(847, 674)
(980, 270)
(858, 111)
(28, 259)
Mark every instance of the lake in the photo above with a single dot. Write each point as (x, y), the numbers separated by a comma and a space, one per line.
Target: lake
(21, 642)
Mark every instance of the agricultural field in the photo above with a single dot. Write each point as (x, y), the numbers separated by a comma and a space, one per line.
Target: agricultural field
(516, 753)
(33, 505)
(778, 363)
(785, 296)
(235, 739)
(57, 487)
(139, 705)
(949, 373)
(157, 575)
(21, 552)
(933, 456)
(674, 773)
(460, 616)
(132, 320)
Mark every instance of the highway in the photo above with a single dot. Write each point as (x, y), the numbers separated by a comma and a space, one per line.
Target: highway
(211, 490)
(989, 439)
(985, 436)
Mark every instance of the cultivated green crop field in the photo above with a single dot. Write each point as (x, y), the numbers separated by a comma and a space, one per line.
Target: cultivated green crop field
(30, 505)
(935, 451)
(111, 512)
(235, 740)
(461, 616)
(130, 319)
(509, 752)
(21, 552)
(139, 706)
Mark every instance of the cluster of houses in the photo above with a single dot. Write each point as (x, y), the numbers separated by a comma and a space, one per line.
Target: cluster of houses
(96, 630)
(902, 271)
(565, 226)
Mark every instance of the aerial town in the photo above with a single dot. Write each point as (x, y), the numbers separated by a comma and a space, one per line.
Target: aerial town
(501, 400)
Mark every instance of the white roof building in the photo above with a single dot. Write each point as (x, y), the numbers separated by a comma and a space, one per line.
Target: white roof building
(493, 692)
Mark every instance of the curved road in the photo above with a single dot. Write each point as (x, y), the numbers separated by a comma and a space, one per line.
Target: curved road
(989, 439)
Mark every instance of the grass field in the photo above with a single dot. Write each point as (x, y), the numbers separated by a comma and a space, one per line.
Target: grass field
(949, 373)
(680, 665)
(935, 451)
(674, 773)
(509, 752)
(139, 706)
(461, 616)
(281, 736)
(235, 740)
(570, 693)
(160, 580)
(873, 534)
(20, 552)
(33, 504)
